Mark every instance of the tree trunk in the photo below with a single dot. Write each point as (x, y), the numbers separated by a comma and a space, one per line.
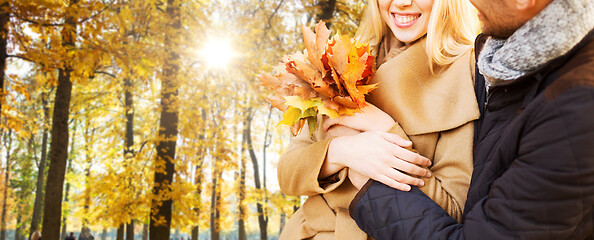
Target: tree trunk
(283, 219)
(198, 181)
(85, 232)
(37, 206)
(198, 178)
(4, 18)
(327, 9)
(166, 141)
(104, 234)
(262, 219)
(64, 223)
(52, 210)
(120, 232)
(283, 216)
(130, 230)
(242, 207)
(242, 187)
(4, 206)
(267, 142)
(215, 198)
(217, 173)
(8, 145)
(129, 141)
(19, 229)
(195, 233)
(219, 202)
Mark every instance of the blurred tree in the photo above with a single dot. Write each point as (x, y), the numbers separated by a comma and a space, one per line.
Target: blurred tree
(4, 19)
(161, 206)
(59, 134)
(69, 169)
(340, 15)
(7, 139)
(39, 190)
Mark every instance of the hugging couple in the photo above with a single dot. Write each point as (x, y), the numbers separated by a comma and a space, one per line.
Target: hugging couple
(478, 137)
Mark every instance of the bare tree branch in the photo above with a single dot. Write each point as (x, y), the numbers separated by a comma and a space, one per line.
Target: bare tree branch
(274, 13)
(21, 57)
(96, 14)
(106, 73)
(35, 22)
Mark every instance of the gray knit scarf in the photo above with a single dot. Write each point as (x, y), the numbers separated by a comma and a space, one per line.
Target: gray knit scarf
(550, 34)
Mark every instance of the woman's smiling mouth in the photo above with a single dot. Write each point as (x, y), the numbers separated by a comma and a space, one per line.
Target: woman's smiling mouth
(405, 20)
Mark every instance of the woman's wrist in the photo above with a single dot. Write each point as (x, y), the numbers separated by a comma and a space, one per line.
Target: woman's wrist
(388, 124)
(334, 161)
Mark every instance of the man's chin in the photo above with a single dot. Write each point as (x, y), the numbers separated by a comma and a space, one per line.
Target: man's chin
(498, 34)
(497, 31)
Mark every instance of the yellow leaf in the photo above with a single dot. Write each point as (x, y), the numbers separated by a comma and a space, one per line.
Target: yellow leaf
(298, 102)
(327, 111)
(312, 123)
(291, 116)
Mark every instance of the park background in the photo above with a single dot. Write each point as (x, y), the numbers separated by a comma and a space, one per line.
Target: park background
(116, 114)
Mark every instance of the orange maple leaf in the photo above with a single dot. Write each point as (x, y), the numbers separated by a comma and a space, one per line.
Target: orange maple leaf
(331, 78)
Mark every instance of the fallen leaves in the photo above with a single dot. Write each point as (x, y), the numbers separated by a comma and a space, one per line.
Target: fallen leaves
(331, 78)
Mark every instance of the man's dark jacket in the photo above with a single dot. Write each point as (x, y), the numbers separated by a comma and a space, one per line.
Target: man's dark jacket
(533, 164)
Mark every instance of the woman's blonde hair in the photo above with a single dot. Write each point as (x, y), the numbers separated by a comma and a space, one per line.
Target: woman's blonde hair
(453, 26)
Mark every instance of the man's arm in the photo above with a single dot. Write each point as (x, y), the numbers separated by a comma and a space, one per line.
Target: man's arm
(546, 193)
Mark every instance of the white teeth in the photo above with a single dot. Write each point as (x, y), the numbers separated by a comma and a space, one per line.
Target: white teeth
(406, 19)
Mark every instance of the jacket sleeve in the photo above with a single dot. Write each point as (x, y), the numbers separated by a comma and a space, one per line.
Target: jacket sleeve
(452, 170)
(299, 167)
(547, 192)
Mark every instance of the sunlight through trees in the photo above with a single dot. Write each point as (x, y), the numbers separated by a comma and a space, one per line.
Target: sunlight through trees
(144, 119)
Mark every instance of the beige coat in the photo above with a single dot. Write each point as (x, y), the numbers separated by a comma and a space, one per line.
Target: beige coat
(435, 112)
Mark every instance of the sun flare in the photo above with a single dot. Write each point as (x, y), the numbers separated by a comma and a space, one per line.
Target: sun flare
(217, 53)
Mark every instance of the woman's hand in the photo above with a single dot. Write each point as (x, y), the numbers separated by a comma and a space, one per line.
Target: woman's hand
(369, 119)
(363, 145)
(357, 179)
(378, 155)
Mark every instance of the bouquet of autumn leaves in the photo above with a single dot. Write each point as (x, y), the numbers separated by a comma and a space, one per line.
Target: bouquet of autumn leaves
(331, 78)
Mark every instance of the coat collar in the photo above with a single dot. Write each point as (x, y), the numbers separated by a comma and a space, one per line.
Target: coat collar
(421, 102)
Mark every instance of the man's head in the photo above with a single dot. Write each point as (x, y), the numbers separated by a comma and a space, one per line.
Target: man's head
(501, 18)
(71, 234)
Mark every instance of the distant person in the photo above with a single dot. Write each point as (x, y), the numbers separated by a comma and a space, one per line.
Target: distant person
(70, 237)
(36, 236)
